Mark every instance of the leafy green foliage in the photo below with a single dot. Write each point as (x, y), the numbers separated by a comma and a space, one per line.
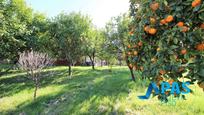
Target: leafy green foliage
(92, 44)
(19, 26)
(116, 33)
(172, 51)
(67, 32)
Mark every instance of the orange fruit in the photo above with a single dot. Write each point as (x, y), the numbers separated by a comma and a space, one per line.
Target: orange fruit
(153, 59)
(130, 65)
(140, 43)
(129, 53)
(185, 29)
(131, 33)
(183, 51)
(146, 29)
(196, 3)
(129, 46)
(135, 53)
(152, 20)
(171, 81)
(180, 24)
(200, 47)
(152, 31)
(163, 21)
(158, 49)
(154, 6)
(169, 18)
(202, 26)
(141, 68)
(162, 72)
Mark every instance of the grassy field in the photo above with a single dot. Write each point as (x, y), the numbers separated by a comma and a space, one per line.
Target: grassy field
(89, 93)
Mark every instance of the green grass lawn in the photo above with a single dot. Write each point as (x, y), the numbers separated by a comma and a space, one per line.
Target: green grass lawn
(88, 92)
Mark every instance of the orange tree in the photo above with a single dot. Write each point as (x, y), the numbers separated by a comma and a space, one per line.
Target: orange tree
(167, 40)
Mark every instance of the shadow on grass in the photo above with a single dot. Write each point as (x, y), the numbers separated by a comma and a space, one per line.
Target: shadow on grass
(16, 82)
(86, 85)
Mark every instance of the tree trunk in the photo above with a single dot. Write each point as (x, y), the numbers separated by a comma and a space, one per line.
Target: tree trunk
(70, 70)
(101, 63)
(36, 88)
(35, 92)
(85, 61)
(120, 62)
(131, 70)
(92, 62)
(132, 74)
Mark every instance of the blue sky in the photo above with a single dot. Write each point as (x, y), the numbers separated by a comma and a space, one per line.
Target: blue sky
(99, 10)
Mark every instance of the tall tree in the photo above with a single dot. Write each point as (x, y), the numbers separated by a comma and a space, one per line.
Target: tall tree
(117, 38)
(15, 17)
(93, 43)
(68, 31)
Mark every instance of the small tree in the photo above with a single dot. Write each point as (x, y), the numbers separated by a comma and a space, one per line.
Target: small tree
(93, 42)
(33, 63)
(117, 37)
